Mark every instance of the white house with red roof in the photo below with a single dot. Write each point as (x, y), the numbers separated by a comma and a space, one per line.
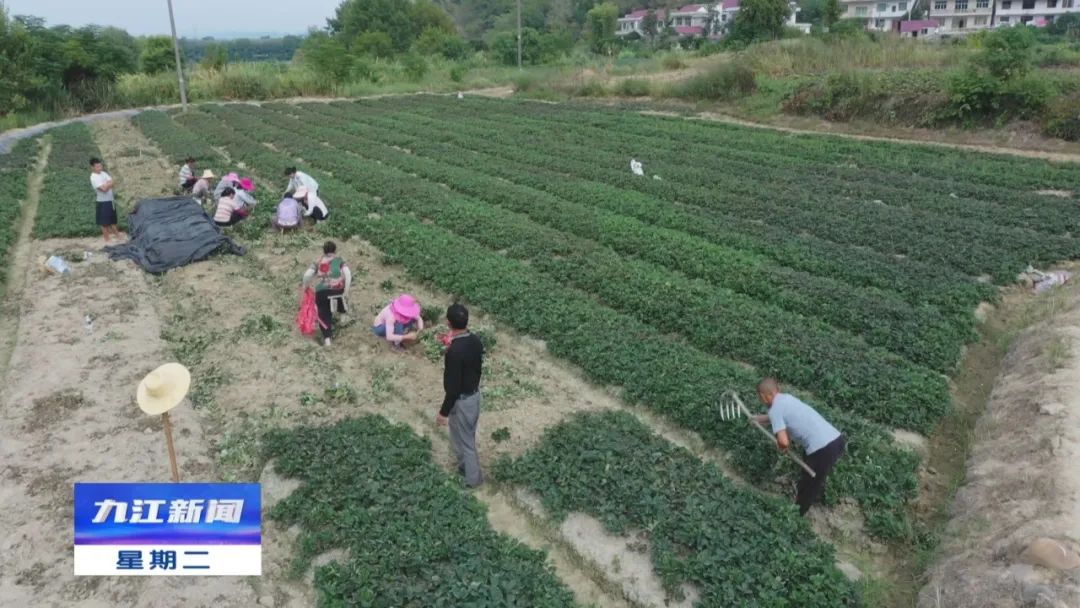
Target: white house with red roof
(690, 20)
(631, 23)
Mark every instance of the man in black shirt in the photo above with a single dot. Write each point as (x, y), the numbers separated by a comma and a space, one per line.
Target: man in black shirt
(461, 381)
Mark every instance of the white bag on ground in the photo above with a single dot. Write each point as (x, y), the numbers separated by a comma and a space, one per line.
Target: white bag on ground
(635, 166)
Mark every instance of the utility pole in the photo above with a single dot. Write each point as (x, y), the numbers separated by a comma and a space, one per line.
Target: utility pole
(519, 32)
(179, 68)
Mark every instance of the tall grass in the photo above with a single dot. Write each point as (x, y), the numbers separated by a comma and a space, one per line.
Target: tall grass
(806, 56)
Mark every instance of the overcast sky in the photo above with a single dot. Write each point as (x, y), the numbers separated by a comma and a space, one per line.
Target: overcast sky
(194, 18)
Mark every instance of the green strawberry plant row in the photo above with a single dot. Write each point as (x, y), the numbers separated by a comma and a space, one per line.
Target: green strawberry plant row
(734, 547)
(178, 144)
(922, 334)
(837, 366)
(661, 372)
(412, 536)
(15, 169)
(66, 208)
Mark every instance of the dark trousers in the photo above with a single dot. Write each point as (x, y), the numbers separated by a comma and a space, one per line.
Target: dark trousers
(318, 215)
(189, 184)
(812, 489)
(234, 219)
(322, 303)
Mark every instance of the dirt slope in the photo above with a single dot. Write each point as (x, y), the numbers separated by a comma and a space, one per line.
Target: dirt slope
(1022, 476)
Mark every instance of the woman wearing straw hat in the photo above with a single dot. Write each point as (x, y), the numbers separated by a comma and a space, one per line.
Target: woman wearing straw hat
(399, 322)
(329, 274)
(201, 189)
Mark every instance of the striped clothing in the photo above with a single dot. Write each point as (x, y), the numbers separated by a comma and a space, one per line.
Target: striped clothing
(185, 174)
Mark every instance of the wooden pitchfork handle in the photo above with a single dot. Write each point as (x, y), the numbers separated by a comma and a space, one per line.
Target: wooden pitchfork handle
(790, 455)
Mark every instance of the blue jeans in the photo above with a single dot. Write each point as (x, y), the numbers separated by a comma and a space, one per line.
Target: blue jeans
(399, 328)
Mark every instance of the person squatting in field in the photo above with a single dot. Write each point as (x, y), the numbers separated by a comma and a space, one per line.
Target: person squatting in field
(228, 208)
(460, 408)
(330, 276)
(314, 207)
(287, 216)
(187, 175)
(103, 199)
(791, 418)
(399, 323)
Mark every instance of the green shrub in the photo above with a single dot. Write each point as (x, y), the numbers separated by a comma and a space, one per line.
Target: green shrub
(1062, 118)
(633, 87)
(458, 72)
(724, 81)
(976, 96)
(672, 62)
(414, 66)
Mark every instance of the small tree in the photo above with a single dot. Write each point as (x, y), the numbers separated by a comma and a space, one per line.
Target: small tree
(1006, 53)
(650, 25)
(831, 13)
(157, 55)
(760, 19)
(214, 58)
(601, 20)
(713, 25)
(326, 55)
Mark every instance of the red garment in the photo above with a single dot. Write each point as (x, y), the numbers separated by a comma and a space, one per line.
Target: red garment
(308, 315)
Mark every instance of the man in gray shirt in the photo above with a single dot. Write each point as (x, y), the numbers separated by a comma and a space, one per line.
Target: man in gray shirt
(792, 419)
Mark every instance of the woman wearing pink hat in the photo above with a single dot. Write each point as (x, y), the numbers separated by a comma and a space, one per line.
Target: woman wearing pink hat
(399, 322)
(229, 180)
(244, 198)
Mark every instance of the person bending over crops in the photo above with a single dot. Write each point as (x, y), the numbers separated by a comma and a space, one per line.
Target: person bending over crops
(103, 197)
(791, 418)
(287, 216)
(299, 179)
(314, 207)
(187, 175)
(230, 180)
(201, 189)
(460, 408)
(400, 322)
(226, 214)
(330, 275)
(244, 199)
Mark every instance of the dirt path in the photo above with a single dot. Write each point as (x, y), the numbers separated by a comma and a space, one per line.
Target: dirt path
(1022, 481)
(20, 261)
(68, 414)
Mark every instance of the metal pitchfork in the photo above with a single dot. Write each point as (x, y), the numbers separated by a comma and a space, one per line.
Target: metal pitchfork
(732, 408)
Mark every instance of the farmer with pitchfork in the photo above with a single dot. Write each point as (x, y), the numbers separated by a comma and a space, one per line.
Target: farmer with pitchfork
(824, 445)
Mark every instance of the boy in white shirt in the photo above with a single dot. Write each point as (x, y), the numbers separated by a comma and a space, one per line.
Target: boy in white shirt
(103, 196)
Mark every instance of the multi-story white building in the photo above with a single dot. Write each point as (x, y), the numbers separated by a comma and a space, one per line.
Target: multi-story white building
(880, 16)
(1034, 12)
(962, 16)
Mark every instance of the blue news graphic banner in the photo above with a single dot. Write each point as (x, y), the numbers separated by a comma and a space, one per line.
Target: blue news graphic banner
(167, 528)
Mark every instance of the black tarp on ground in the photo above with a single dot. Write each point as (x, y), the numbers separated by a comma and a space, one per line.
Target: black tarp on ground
(167, 233)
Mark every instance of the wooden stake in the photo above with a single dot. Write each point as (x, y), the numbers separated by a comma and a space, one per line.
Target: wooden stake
(168, 440)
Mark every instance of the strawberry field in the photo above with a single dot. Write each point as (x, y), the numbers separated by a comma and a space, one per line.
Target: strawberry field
(851, 271)
(67, 207)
